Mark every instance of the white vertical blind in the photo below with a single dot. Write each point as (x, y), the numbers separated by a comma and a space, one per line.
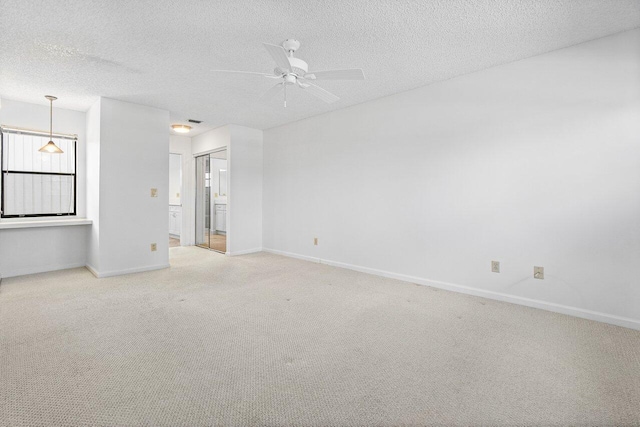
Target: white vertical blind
(37, 194)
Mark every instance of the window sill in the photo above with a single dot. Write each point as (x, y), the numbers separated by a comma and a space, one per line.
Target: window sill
(22, 223)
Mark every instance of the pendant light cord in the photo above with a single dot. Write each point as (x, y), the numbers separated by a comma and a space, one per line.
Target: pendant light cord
(51, 119)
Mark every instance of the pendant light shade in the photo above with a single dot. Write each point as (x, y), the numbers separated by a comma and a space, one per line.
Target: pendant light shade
(51, 147)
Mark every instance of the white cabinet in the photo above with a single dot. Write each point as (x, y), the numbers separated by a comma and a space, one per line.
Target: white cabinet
(221, 218)
(175, 220)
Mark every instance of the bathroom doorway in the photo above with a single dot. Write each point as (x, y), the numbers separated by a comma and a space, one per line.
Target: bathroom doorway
(175, 199)
(211, 200)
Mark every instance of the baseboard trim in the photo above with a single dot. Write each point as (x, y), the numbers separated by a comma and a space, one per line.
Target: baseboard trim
(92, 270)
(102, 274)
(27, 271)
(293, 255)
(498, 296)
(245, 252)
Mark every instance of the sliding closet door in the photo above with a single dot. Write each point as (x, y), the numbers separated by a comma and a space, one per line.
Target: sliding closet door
(203, 200)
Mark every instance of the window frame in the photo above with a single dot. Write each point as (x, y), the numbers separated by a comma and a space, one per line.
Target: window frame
(18, 131)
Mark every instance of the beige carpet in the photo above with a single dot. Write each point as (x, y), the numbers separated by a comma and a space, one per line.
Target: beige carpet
(267, 340)
(174, 242)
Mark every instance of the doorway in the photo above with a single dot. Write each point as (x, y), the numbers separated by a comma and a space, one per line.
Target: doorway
(175, 199)
(211, 200)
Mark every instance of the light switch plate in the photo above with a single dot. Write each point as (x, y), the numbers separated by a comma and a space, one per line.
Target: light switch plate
(538, 273)
(495, 266)
(154, 192)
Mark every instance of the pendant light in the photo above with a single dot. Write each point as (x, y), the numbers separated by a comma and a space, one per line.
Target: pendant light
(51, 147)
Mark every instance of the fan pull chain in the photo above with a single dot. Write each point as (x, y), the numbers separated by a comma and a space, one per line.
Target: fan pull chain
(285, 95)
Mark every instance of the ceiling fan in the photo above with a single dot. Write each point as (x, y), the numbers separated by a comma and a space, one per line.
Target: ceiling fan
(294, 71)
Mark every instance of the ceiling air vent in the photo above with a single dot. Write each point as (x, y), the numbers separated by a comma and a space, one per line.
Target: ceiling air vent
(194, 121)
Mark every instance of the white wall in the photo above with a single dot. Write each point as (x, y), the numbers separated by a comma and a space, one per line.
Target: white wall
(244, 201)
(182, 145)
(93, 185)
(536, 162)
(175, 179)
(34, 250)
(211, 140)
(244, 212)
(134, 147)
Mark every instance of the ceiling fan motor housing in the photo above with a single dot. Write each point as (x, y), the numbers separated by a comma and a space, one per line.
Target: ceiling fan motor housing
(298, 66)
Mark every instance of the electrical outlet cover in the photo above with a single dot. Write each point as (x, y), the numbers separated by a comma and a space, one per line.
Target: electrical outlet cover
(154, 247)
(538, 273)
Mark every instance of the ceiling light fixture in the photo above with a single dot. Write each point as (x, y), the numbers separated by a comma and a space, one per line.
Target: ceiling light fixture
(50, 147)
(181, 128)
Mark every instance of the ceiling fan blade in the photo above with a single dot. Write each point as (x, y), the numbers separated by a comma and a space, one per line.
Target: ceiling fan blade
(271, 76)
(279, 55)
(275, 90)
(351, 74)
(317, 91)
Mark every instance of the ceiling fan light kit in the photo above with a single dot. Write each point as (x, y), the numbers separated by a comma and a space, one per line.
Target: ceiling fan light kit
(294, 71)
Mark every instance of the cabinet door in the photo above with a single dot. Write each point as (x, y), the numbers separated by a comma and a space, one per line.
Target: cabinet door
(174, 223)
(177, 226)
(219, 220)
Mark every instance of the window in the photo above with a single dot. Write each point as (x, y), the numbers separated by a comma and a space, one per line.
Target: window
(33, 183)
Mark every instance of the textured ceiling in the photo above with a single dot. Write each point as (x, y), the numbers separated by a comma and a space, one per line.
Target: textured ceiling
(160, 53)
